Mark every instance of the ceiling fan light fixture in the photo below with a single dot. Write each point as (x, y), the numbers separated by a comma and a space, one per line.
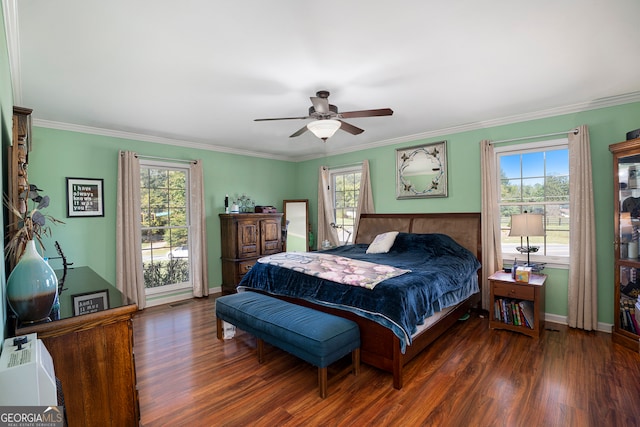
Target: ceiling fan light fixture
(324, 129)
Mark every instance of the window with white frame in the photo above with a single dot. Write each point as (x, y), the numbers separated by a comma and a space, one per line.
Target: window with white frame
(346, 190)
(534, 178)
(165, 226)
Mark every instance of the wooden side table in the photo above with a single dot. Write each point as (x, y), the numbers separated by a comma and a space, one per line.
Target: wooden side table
(506, 293)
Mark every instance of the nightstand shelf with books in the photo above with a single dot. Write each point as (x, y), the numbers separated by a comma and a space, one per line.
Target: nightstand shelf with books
(517, 306)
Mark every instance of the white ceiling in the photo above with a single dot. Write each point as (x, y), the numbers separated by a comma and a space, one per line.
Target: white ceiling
(197, 72)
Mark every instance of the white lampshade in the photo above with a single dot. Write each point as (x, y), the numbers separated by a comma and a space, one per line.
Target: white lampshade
(324, 129)
(526, 224)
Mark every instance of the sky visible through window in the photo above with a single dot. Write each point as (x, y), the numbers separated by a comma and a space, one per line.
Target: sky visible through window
(533, 164)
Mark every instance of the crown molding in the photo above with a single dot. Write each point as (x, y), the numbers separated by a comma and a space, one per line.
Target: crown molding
(611, 101)
(151, 138)
(551, 112)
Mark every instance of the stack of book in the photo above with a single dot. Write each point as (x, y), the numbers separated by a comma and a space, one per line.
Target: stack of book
(514, 312)
(627, 316)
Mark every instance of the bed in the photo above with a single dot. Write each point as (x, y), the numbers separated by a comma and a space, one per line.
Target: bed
(392, 332)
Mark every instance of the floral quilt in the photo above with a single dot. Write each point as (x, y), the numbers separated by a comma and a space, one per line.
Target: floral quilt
(347, 271)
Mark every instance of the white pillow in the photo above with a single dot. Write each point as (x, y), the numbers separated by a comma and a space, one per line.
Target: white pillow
(382, 243)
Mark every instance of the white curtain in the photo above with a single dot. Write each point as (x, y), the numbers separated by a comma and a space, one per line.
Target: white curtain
(325, 209)
(491, 246)
(365, 197)
(129, 279)
(583, 283)
(198, 234)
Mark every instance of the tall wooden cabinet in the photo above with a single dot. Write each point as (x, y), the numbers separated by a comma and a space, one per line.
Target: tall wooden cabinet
(245, 237)
(626, 181)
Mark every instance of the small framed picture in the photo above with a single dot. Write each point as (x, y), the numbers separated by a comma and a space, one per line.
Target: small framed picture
(90, 302)
(85, 197)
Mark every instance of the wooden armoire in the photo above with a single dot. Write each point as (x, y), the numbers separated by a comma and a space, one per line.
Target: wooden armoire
(245, 237)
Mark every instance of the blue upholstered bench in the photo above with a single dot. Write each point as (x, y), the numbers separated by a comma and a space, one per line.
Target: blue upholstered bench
(316, 337)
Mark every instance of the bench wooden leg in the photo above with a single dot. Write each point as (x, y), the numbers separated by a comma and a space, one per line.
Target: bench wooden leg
(260, 349)
(322, 381)
(355, 361)
(219, 327)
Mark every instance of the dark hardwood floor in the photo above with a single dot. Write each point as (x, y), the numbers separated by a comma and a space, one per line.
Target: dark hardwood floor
(472, 376)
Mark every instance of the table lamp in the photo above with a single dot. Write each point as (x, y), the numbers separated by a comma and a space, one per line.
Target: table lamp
(525, 225)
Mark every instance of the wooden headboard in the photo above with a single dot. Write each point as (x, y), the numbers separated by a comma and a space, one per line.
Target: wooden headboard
(464, 228)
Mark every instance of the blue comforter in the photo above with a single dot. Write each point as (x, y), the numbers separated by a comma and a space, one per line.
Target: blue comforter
(443, 273)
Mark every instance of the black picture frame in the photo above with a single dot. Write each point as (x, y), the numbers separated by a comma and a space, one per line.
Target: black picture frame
(90, 302)
(85, 197)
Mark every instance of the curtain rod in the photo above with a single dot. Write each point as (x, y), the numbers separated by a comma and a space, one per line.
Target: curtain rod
(575, 132)
(141, 156)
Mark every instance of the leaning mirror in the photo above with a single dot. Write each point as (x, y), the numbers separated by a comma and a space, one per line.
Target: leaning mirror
(296, 218)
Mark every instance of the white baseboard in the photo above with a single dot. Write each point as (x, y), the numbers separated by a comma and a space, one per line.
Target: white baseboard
(175, 297)
(562, 320)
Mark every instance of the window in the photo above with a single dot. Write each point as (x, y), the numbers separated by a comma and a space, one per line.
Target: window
(535, 178)
(165, 226)
(346, 190)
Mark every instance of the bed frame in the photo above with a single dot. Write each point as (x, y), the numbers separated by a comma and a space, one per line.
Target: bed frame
(379, 345)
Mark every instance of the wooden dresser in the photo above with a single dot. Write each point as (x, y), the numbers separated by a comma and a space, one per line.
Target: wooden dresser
(93, 354)
(245, 237)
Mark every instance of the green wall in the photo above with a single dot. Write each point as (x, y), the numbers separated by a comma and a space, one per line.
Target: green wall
(606, 126)
(58, 154)
(90, 241)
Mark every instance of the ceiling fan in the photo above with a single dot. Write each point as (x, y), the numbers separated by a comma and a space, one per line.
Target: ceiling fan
(328, 119)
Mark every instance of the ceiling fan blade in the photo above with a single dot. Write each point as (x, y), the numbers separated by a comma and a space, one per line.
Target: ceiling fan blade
(366, 113)
(299, 132)
(281, 118)
(321, 105)
(353, 130)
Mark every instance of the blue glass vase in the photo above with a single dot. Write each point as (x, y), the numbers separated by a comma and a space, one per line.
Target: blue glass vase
(32, 287)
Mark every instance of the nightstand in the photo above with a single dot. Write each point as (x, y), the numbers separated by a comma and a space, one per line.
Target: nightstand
(517, 306)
